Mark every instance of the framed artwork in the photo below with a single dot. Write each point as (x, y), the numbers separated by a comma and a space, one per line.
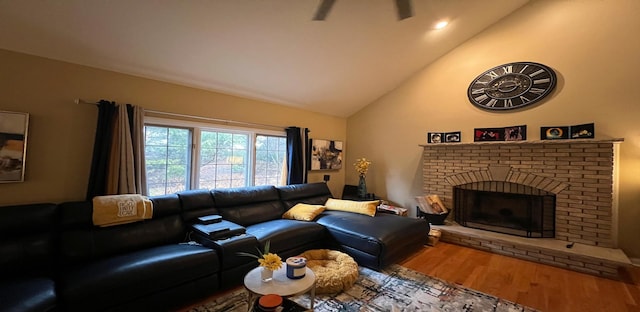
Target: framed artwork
(13, 145)
(584, 131)
(435, 137)
(488, 134)
(554, 133)
(452, 137)
(515, 133)
(326, 154)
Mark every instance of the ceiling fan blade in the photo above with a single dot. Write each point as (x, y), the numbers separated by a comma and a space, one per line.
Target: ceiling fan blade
(404, 9)
(323, 10)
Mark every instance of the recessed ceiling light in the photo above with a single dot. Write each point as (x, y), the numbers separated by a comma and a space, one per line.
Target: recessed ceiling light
(441, 24)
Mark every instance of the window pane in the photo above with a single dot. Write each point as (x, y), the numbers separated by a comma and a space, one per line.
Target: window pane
(167, 157)
(223, 159)
(270, 153)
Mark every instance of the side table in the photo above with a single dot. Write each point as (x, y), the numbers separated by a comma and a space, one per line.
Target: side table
(279, 285)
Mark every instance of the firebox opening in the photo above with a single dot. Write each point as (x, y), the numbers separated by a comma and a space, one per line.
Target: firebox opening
(528, 215)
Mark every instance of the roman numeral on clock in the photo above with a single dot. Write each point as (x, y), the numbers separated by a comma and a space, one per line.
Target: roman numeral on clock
(477, 91)
(539, 81)
(537, 91)
(492, 75)
(481, 98)
(508, 103)
(536, 73)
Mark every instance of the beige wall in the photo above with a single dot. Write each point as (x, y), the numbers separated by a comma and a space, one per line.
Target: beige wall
(592, 45)
(61, 132)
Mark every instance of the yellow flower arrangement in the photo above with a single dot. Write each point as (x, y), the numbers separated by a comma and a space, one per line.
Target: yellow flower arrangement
(270, 261)
(266, 259)
(362, 165)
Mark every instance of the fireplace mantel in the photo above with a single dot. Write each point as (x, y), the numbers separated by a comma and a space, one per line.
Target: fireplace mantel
(588, 141)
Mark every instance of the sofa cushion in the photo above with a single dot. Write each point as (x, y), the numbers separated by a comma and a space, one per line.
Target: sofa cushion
(285, 234)
(248, 205)
(362, 207)
(120, 279)
(304, 212)
(196, 203)
(310, 193)
(81, 241)
(27, 294)
(27, 240)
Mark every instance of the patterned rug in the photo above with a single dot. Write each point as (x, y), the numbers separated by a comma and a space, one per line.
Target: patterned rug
(394, 289)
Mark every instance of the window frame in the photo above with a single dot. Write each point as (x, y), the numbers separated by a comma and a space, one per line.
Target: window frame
(196, 128)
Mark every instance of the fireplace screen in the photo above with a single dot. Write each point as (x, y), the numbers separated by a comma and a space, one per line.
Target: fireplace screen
(528, 214)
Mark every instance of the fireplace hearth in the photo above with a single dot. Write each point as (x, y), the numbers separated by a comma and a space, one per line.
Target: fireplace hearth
(529, 213)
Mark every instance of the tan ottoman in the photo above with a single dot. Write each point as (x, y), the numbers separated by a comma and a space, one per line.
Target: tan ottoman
(335, 271)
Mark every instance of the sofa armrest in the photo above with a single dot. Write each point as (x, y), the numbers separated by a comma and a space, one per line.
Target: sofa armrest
(228, 248)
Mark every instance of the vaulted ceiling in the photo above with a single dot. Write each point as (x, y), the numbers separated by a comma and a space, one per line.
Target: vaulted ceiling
(269, 50)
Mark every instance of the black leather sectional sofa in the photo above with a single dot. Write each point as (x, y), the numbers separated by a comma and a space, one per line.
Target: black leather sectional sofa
(54, 259)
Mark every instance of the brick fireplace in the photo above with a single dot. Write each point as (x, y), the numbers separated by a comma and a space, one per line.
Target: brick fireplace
(579, 174)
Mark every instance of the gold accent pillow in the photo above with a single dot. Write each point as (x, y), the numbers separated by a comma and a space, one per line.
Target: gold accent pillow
(303, 212)
(362, 207)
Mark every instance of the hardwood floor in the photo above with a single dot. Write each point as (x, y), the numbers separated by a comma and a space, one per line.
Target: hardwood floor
(539, 286)
(543, 287)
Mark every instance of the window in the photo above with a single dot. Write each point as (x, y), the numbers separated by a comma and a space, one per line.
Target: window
(270, 156)
(167, 156)
(224, 159)
(185, 155)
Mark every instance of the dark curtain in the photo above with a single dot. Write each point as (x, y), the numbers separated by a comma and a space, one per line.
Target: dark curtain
(117, 166)
(107, 114)
(297, 141)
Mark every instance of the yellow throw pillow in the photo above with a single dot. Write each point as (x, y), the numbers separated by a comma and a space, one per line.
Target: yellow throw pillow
(303, 212)
(362, 207)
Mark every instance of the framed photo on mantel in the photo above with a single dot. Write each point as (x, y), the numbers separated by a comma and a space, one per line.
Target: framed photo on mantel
(583, 131)
(443, 137)
(435, 137)
(452, 137)
(13, 145)
(488, 134)
(554, 133)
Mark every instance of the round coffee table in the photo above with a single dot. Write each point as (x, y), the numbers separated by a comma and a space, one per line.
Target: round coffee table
(279, 285)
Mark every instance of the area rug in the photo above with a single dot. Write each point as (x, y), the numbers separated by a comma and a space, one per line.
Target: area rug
(394, 289)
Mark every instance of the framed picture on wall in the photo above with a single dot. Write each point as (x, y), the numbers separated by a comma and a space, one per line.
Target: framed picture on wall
(326, 154)
(13, 145)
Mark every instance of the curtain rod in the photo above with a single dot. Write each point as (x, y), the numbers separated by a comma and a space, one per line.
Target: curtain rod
(225, 121)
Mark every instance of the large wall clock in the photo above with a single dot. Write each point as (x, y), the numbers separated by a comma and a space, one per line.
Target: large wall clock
(511, 86)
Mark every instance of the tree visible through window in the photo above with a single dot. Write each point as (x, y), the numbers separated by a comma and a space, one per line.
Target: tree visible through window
(270, 154)
(223, 159)
(167, 157)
